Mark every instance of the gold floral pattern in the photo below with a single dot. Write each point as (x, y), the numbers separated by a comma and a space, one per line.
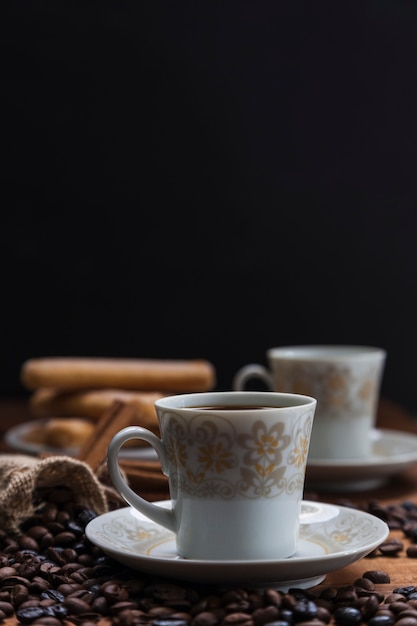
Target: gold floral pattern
(346, 530)
(301, 451)
(209, 458)
(339, 388)
(216, 457)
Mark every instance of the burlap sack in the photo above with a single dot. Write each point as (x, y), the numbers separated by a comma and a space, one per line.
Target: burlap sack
(22, 476)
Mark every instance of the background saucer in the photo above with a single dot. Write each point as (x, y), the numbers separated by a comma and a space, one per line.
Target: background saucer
(392, 452)
(17, 438)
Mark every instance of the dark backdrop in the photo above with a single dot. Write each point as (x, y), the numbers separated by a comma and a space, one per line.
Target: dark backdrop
(208, 179)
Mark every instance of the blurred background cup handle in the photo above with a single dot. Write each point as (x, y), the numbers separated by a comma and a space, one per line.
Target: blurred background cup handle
(253, 371)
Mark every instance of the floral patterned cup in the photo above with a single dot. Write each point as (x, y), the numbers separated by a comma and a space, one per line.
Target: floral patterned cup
(236, 465)
(345, 381)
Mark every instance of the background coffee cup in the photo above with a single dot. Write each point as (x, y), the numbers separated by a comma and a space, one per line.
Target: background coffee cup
(236, 465)
(345, 380)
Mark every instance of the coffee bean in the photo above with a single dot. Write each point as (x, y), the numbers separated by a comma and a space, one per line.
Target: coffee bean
(76, 606)
(265, 615)
(405, 591)
(46, 541)
(409, 612)
(128, 618)
(28, 543)
(398, 606)
(206, 618)
(237, 619)
(384, 610)
(53, 594)
(364, 583)
(64, 538)
(347, 616)
(85, 516)
(18, 595)
(369, 607)
(6, 608)
(391, 547)
(406, 621)
(272, 596)
(30, 614)
(328, 594)
(113, 592)
(287, 616)
(58, 610)
(304, 610)
(240, 605)
(410, 531)
(377, 576)
(346, 595)
(393, 597)
(6, 572)
(323, 614)
(256, 600)
(381, 620)
(55, 527)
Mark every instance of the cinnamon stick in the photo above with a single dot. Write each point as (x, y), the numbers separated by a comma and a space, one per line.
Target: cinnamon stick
(147, 474)
(149, 491)
(94, 451)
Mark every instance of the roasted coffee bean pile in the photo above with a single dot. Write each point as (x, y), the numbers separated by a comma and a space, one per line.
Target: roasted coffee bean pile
(51, 574)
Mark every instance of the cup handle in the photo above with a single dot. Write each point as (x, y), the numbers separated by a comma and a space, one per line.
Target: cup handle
(162, 516)
(252, 371)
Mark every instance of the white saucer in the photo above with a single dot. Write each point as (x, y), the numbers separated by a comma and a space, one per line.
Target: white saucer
(331, 537)
(17, 438)
(392, 452)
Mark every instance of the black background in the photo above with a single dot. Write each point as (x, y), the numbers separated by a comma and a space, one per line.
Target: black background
(208, 179)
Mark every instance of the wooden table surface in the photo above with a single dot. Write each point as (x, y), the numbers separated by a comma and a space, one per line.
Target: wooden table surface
(401, 568)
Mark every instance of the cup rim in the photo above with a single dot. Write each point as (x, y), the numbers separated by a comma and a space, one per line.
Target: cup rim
(257, 400)
(326, 352)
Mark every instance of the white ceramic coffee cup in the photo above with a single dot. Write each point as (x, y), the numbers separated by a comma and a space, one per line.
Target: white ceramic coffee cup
(236, 466)
(345, 380)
